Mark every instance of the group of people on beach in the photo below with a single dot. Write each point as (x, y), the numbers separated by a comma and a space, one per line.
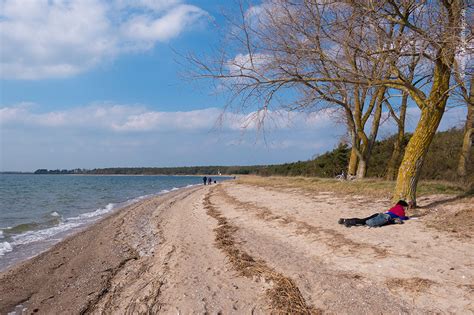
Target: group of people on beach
(207, 180)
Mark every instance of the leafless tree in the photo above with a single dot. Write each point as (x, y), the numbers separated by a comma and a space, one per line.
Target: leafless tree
(465, 154)
(398, 114)
(464, 78)
(347, 54)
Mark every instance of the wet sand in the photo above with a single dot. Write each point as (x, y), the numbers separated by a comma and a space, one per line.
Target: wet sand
(238, 248)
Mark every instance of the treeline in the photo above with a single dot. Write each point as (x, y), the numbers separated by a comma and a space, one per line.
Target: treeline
(58, 171)
(189, 170)
(440, 163)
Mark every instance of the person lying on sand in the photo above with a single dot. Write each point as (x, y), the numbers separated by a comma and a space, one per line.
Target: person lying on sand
(395, 215)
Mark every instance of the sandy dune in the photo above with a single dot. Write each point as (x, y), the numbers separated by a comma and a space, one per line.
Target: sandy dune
(239, 248)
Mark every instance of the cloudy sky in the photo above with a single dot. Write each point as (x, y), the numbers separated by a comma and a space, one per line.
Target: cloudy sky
(96, 83)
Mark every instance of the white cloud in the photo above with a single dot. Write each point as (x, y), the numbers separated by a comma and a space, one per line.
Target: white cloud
(125, 119)
(155, 5)
(102, 135)
(135, 118)
(145, 27)
(244, 63)
(51, 39)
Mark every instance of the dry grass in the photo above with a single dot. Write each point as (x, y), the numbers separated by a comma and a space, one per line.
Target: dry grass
(369, 186)
(460, 222)
(284, 295)
(413, 285)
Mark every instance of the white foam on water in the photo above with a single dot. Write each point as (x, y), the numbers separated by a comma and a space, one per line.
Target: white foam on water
(96, 213)
(68, 224)
(129, 202)
(5, 247)
(41, 235)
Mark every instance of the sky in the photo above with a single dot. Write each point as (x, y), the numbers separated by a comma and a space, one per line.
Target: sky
(96, 83)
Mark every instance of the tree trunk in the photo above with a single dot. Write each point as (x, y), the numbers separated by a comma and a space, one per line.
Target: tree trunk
(468, 134)
(352, 169)
(355, 141)
(396, 153)
(362, 159)
(362, 168)
(409, 171)
(431, 113)
(397, 145)
(368, 142)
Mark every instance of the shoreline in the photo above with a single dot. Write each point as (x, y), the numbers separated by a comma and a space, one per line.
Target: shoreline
(236, 247)
(34, 248)
(189, 175)
(81, 259)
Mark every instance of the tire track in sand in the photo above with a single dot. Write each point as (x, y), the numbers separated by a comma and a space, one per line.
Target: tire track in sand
(284, 295)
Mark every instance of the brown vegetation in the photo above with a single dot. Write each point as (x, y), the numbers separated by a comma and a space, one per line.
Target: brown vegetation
(367, 187)
(284, 295)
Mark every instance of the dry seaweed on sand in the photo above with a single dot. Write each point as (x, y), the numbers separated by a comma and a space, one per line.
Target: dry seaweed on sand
(284, 295)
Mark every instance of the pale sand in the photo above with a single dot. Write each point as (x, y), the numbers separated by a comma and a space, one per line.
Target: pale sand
(242, 249)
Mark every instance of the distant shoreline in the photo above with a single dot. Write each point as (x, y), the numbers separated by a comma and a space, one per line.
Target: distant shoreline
(194, 175)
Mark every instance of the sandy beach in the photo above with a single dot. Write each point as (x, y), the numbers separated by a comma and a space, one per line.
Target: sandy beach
(244, 248)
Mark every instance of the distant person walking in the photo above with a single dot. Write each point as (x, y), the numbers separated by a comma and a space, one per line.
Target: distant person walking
(209, 181)
(204, 180)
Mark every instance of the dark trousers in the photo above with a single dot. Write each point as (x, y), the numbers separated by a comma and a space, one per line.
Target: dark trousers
(359, 221)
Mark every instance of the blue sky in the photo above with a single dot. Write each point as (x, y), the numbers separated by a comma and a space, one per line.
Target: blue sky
(95, 83)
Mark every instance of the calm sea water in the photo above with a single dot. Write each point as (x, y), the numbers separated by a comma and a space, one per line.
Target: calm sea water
(37, 211)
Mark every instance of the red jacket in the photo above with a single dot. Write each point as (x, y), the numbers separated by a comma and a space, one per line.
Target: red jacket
(398, 211)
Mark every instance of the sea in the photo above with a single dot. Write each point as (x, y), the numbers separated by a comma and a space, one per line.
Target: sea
(37, 211)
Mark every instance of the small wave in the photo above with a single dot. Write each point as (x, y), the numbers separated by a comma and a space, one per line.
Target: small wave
(26, 236)
(31, 226)
(54, 214)
(164, 191)
(20, 228)
(137, 199)
(96, 213)
(174, 188)
(41, 235)
(5, 247)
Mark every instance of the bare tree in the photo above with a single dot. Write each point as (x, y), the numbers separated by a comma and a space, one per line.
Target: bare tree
(285, 45)
(335, 52)
(400, 122)
(464, 76)
(438, 32)
(467, 92)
